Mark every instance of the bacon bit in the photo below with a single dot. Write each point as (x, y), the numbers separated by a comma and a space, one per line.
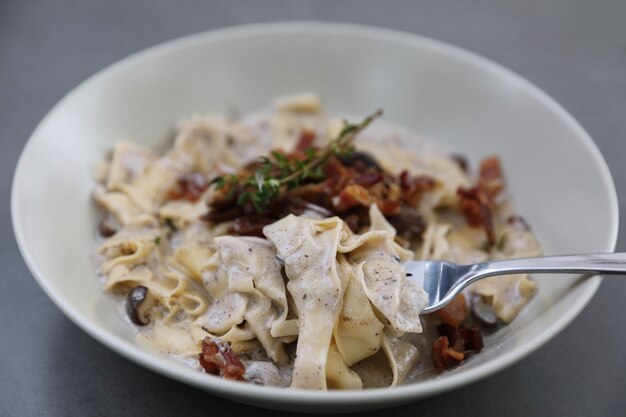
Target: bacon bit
(423, 183)
(190, 187)
(455, 313)
(389, 207)
(307, 137)
(354, 195)
(477, 208)
(367, 179)
(413, 187)
(456, 355)
(217, 358)
(337, 177)
(491, 178)
(462, 339)
(454, 336)
(419, 183)
(443, 356)
(477, 202)
(440, 358)
(473, 339)
(405, 180)
(209, 367)
(490, 168)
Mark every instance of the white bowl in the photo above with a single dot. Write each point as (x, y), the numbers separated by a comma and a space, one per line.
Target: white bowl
(556, 175)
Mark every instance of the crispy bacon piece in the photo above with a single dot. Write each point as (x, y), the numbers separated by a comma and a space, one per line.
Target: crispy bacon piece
(443, 356)
(190, 187)
(369, 178)
(454, 344)
(217, 358)
(477, 208)
(419, 183)
(337, 177)
(455, 313)
(388, 207)
(354, 195)
(477, 202)
(351, 184)
(490, 168)
(491, 178)
(413, 187)
(454, 336)
(405, 180)
(472, 338)
(462, 338)
(423, 183)
(307, 137)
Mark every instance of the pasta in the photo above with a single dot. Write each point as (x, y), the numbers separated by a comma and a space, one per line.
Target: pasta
(288, 271)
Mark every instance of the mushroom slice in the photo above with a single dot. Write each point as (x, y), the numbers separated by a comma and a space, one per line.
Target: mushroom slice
(483, 310)
(138, 305)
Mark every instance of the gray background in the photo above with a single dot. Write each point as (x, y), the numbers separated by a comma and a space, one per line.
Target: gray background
(574, 50)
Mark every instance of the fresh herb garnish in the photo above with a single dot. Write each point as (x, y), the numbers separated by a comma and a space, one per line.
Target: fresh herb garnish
(279, 172)
(500, 244)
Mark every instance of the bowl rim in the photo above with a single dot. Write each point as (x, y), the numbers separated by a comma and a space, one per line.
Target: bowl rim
(399, 394)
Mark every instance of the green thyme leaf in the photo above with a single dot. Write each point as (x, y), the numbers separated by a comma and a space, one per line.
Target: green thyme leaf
(243, 198)
(279, 170)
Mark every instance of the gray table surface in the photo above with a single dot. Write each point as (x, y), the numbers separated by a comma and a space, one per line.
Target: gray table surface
(574, 50)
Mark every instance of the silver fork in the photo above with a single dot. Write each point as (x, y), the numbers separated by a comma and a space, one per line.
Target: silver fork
(444, 280)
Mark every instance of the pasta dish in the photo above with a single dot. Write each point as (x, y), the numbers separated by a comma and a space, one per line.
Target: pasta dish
(269, 247)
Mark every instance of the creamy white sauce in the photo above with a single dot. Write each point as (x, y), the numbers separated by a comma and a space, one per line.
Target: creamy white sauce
(253, 136)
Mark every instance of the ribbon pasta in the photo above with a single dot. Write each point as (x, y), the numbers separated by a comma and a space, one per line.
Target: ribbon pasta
(337, 279)
(310, 305)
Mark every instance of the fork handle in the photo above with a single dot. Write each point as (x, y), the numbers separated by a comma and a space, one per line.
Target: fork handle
(598, 263)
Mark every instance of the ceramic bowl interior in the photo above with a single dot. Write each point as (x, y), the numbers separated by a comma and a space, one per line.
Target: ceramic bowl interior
(556, 175)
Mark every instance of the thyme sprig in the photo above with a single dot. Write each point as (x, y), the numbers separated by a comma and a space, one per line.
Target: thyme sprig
(279, 172)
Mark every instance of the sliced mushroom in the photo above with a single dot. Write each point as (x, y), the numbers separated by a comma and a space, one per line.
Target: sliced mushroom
(408, 222)
(266, 373)
(483, 311)
(108, 227)
(461, 160)
(360, 157)
(138, 305)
